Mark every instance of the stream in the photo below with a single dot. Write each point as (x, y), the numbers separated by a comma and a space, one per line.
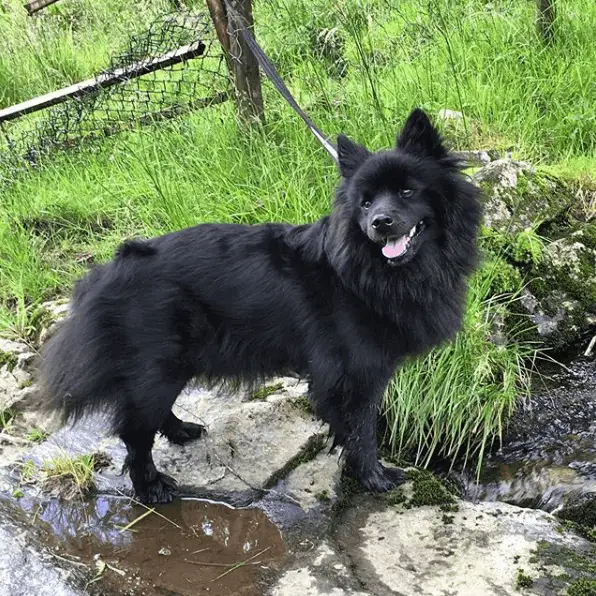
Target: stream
(548, 455)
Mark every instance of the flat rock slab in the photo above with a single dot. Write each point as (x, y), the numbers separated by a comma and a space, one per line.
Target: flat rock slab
(480, 549)
(250, 443)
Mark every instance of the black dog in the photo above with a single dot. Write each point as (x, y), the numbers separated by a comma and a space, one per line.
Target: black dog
(342, 301)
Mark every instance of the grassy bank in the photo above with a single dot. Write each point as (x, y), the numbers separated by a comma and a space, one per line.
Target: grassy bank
(358, 67)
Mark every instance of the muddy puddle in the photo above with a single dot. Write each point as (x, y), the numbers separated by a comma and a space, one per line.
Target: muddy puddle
(186, 548)
(548, 457)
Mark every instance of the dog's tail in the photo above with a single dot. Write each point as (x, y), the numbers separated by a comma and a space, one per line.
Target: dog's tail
(82, 368)
(65, 372)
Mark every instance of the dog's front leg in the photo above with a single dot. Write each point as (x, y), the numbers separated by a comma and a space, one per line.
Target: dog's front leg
(361, 411)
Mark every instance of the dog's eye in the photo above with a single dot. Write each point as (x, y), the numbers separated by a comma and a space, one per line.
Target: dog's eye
(366, 204)
(407, 192)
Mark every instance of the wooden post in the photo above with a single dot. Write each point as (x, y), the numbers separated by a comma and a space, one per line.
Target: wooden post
(244, 66)
(546, 20)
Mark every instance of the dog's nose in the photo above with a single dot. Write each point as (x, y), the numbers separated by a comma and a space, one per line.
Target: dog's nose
(382, 222)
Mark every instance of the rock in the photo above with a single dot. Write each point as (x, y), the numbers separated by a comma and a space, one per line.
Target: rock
(450, 115)
(530, 225)
(249, 446)
(15, 372)
(478, 549)
(51, 314)
(315, 481)
(518, 197)
(558, 319)
(480, 157)
(326, 574)
(570, 263)
(27, 568)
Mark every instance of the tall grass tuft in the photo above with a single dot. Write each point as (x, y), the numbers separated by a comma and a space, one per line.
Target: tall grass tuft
(453, 403)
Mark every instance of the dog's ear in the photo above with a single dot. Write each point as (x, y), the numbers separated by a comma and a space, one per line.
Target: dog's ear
(420, 137)
(350, 155)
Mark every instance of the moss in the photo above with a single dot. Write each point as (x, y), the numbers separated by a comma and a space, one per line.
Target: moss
(264, 392)
(303, 404)
(506, 278)
(447, 519)
(427, 489)
(583, 518)
(396, 497)
(527, 248)
(582, 587)
(575, 563)
(9, 359)
(26, 383)
(323, 496)
(523, 580)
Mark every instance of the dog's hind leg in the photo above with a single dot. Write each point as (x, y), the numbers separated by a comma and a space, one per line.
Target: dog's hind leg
(180, 432)
(147, 411)
(150, 486)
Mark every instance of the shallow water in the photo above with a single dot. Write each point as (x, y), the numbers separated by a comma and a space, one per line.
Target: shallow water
(548, 455)
(188, 547)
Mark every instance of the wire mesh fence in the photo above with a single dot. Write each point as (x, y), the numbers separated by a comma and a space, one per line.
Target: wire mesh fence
(174, 66)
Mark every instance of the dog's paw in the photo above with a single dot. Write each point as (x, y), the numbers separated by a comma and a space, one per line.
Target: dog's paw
(184, 433)
(162, 489)
(382, 479)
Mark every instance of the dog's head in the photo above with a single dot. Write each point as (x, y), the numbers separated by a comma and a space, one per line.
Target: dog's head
(397, 197)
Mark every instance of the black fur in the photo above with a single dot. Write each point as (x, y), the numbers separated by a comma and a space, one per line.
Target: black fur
(243, 303)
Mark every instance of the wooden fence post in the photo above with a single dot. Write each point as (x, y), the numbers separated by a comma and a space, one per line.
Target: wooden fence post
(547, 13)
(241, 61)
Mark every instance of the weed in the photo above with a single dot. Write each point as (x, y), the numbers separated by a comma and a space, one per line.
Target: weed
(582, 587)
(264, 392)
(523, 580)
(37, 435)
(454, 401)
(7, 417)
(68, 475)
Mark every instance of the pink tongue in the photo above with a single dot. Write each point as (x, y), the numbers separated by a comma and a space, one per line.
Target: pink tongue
(395, 248)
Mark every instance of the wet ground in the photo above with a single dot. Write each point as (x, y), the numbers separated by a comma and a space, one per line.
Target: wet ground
(195, 546)
(188, 547)
(548, 455)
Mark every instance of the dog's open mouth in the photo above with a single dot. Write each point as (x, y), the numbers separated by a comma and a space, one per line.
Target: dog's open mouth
(396, 247)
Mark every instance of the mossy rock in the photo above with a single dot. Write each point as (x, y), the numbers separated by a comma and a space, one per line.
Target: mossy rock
(518, 197)
(582, 516)
(570, 264)
(532, 237)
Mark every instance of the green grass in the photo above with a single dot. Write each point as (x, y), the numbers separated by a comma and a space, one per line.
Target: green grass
(452, 403)
(357, 67)
(7, 417)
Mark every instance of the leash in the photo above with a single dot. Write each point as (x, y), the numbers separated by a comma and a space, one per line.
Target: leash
(277, 81)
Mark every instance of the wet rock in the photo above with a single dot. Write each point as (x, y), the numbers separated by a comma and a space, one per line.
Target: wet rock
(26, 568)
(548, 455)
(478, 549)
(326, 574)
(315, 482)
(250, 444)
